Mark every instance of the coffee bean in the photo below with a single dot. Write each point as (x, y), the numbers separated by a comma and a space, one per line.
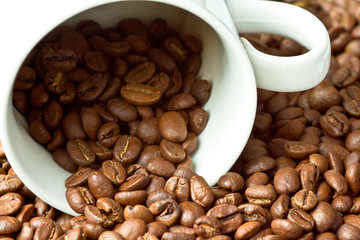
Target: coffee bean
(78, 198)
(228, 214)
(100, 186)
(62, 158)
(132, 228)
(114, 171)
(263, 195)
(166, 211)
(80, 152)
(200, 191)
(259, 164)
(108, 134)
(189, 212)
(305, 200)
(127, 149)
(207, 226)
(337, 181)
(172, 127)
(53, 115)
(348, 231)
(280, 207)
(160, 166)
(10, 203)
(302, 218)
(286, 181)
(324, 216)
(286, 228)
(72, 126)
(121, 109)
(247, 230)
(39, 132)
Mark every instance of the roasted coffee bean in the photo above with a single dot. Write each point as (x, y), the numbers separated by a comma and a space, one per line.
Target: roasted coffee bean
(10, 203)
(127, 149)
(324, 216)
(9, 183)
(55, 81)
(57, 140)
(25, 78)
(172, 151)
(263, 195)
(160, 166)
(232, 181)
(39, 132)
(72, 126)
(299, 150)
(228, 214)
(136, 181)
(21, 102)
(78, 198)
(280, 208)
(309, 175)
(108, 134)
(336, 181)
(116, 49)
(131, 197)
(90, 121)
(138, 211)
(80, 152)
(257, 178)
(197, 120)
(102, 153)
(162, 60)
(63, 60)
(286, 228)
(302, 218)
(348, 231)
(114, 170)
(259, 164)
(62, 158)
(148, 131)
(200, 191)
(78, 178)
(350, 100)
(322, 98)
(121, 109)
(305, 200)
(180, 187)
(100, 186)
(253, 212)
(286, 181)
(341, 203)
(53, 115)
(110, 235)
(247, 230)
(352, 176)
(166, 211)
(189, 212)
(207, 226)
(172, 126)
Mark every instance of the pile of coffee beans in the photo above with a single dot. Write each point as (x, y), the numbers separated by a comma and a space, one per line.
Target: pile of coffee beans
(297, 178)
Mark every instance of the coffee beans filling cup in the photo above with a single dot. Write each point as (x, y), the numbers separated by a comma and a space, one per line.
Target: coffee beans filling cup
(211, 117)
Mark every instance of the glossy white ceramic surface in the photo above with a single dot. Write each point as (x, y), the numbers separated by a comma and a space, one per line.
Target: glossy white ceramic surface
(231, 106)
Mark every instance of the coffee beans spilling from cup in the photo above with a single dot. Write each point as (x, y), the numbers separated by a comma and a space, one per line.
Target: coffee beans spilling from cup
(121, 109)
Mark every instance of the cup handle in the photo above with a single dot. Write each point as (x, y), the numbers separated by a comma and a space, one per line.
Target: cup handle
(283, 74)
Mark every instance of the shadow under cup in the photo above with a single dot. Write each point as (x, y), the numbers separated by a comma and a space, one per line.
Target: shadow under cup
(231, 106)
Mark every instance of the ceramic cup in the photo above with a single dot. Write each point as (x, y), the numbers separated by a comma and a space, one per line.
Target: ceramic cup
(232, 65)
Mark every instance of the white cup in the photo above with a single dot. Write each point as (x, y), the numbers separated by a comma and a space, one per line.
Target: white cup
(229, 63)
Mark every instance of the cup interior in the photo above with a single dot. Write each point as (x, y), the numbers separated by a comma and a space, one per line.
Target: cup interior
(231, 106)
